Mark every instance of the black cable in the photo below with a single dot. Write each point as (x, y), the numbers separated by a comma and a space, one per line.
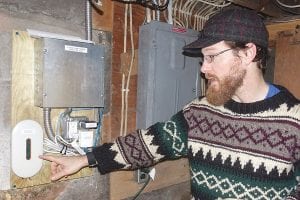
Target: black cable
(142, 188)
(288, 10)
(65, 153)
(148, 4)
(62, 151)
(152, 5)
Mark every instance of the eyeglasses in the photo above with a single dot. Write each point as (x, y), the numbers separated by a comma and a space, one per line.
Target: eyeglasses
(210, 58)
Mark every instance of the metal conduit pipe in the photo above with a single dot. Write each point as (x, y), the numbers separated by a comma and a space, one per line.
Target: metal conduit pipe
(88, 20)
(47, 123)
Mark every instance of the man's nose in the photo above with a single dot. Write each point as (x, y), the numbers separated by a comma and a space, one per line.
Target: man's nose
(205, 67)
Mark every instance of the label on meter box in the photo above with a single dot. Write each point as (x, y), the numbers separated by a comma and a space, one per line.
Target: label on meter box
(76, 49)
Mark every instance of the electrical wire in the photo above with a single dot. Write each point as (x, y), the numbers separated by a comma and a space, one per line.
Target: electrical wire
(125, 28)
(170, 11)
(221, 5)
(123, 104)
(285, 21)
(123, 75)
(142, 188)
(289, 10)
(194, 13)
(148, 4)
(126, 82)
(130, 69)
(148, 15)
(61, 140)
(157, 11)
(60, 145)
(152, 4)
(56, 148)
(288, 6)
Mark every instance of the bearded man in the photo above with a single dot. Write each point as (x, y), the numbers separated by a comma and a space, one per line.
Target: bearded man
(242, 139)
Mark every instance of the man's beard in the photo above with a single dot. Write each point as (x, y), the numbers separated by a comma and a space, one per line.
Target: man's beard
(222, 90)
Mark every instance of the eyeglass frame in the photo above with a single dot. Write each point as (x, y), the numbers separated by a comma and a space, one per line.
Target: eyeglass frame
(212, 56)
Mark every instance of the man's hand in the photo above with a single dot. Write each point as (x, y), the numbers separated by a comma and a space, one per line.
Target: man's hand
(65, 165)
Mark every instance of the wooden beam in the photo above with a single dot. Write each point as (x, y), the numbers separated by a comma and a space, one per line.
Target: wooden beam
(103, 19)
(282, 25)
(266, 7)
(164, 178)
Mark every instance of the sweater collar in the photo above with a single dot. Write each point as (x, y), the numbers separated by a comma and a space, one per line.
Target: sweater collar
(272, 103)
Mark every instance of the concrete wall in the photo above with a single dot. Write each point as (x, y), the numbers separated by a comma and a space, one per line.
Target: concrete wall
(58, 16)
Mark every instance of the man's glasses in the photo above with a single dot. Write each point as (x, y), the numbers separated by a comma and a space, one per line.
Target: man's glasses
(210, 58)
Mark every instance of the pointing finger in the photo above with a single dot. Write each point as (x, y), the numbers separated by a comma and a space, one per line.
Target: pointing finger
(49, 158)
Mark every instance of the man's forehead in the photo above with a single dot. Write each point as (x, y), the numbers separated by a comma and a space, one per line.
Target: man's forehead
(213, 47)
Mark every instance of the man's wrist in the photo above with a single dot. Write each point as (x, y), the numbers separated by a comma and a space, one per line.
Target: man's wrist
(85, 162)
(92, 162)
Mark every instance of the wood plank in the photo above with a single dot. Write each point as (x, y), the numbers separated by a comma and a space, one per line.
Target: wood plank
(103, 20)
(266, 7)
(126, 60)
(274, 28)
(167, 173)
(287, 69)
(22, 106)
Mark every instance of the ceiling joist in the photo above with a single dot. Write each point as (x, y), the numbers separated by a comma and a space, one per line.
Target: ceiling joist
(266, 7)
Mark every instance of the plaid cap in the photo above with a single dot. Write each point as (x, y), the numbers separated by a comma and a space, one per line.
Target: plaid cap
(234, 24)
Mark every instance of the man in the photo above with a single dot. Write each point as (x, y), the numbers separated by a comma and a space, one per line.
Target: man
(242, 139)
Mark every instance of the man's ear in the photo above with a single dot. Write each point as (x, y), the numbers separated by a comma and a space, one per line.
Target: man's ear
(249, 53)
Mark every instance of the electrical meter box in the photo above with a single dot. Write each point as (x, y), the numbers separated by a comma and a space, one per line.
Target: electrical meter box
(68, 73)
(167, 80)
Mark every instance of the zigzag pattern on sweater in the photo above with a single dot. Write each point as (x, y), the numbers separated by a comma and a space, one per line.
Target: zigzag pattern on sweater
(256, 140)
(244, 151)
(235, 189)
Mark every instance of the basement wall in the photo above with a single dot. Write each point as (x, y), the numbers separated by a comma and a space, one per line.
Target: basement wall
(67, 17)
(58, 16)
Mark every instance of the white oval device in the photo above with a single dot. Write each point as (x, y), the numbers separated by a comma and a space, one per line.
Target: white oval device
(26, 146)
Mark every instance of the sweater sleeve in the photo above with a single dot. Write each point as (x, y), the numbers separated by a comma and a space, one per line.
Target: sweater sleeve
(144, 148)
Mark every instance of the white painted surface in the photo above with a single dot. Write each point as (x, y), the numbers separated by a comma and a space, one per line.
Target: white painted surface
(26, 146)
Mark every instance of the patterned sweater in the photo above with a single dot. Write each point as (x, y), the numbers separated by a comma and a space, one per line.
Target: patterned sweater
(238, 151)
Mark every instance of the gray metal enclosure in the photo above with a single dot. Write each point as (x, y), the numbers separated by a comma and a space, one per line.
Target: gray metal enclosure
(167, 80)
(68, 74)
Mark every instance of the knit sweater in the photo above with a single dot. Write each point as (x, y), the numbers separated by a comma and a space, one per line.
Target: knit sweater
(238, 151)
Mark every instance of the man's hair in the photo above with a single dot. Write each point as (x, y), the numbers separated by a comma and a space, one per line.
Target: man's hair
(261, 53)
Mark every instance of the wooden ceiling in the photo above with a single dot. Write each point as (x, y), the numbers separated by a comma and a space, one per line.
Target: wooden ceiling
(271, 8)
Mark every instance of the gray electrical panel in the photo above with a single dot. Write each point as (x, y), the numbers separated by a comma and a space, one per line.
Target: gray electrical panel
(68, 73)
(167, 80)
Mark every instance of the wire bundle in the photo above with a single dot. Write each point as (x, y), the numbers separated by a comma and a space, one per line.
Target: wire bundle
(152, 4)
(58, 148)
(59, 145)
(194, 13)
(294, 9)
